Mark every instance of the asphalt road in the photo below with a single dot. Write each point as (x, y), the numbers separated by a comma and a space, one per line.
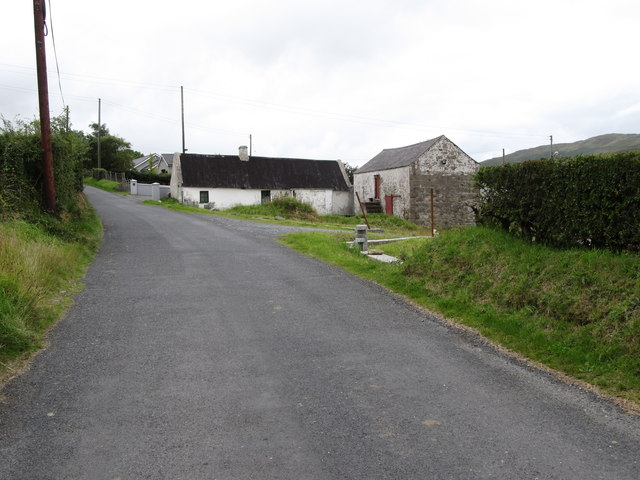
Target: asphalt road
(202, 349)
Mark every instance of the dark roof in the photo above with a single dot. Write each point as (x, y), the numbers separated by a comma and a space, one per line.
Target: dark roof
(398, 157)
(228, 171)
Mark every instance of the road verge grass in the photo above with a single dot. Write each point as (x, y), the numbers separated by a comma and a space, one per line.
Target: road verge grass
(103, 184)
(575, 311)
(41, 264)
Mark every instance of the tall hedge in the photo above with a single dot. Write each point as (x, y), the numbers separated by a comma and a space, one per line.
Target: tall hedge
(21, 178)
(591, 200)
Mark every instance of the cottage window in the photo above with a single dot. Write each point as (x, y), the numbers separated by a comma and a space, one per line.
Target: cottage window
(204, 196)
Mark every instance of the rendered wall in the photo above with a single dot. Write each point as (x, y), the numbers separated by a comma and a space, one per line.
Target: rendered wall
(392, 182)
(323, 201)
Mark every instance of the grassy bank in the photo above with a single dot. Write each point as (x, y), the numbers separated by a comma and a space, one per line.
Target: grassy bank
(576, 311)
(104, 184)
(41, 263)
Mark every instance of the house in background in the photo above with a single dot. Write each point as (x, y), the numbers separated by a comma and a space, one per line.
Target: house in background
(154, 162)
(399, 181)
(223, 181)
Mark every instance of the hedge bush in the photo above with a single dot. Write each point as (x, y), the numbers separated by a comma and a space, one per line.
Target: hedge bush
(591, 201)
(147, 177)
(21, 178)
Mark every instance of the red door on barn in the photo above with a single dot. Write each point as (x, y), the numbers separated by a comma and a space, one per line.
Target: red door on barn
(388, 204)
(376, 186)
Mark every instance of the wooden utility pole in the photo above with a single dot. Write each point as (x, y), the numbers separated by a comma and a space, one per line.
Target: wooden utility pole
(43, 97)
(551, 147)
(99, 128)
(184, 150)
(433, 216)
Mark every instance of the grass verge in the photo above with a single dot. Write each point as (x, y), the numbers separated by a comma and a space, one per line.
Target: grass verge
(575, 311)
(41, 264)
(103, 184)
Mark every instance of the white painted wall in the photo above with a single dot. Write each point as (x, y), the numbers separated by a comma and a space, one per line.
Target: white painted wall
(221, 198)
(323, 201)
(394, 182)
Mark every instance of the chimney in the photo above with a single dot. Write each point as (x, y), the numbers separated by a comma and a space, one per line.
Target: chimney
(243, 153)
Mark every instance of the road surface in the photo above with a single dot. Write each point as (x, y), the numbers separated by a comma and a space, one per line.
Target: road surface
(202, 349)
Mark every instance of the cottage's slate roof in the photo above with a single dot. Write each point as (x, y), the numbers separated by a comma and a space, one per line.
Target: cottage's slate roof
(397, 157)
(265, 173)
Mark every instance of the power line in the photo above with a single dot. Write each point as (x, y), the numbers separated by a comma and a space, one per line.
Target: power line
(55, 52)
(297, 110)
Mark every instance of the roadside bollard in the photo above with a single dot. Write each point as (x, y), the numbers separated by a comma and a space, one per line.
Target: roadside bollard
(361, 238)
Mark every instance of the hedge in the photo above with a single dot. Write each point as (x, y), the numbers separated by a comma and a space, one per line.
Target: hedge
(147, 177)
(21, 178)
(591, 201)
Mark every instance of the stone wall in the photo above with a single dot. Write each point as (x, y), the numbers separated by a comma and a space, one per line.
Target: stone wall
(453, 196)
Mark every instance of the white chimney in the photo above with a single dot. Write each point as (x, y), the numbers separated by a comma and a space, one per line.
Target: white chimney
(244, 153)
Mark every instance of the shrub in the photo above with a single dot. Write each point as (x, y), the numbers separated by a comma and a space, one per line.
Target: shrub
(591, 201)
(98, 173)
(148, 177)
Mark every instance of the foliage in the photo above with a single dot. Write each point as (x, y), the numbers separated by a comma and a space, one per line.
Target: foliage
(21, 180)
(116, 154)
(576, 310)
(592, 201)
(98, 173)
(40, 264)
(350, 169)
(149, 177)
(286, 207)
(103, 184)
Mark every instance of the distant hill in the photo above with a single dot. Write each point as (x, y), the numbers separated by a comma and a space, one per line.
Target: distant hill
(609, 143)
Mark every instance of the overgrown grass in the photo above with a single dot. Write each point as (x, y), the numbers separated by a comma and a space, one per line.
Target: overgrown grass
(291, 212)
(41, 263)
(577, 311)
(103, 184)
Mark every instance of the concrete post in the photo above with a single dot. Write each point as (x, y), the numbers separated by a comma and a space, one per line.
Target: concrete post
(134, 187)
(155, 191)
(361, 238)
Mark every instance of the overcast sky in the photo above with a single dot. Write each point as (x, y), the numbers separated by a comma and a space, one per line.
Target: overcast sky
(332, 79)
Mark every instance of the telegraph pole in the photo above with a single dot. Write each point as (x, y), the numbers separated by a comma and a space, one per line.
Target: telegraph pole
(43, 97)
(551, 147)
(184, 150)
(99, 128)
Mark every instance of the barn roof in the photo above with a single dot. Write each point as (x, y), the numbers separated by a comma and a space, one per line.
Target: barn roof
(398, 157)
(228, 171)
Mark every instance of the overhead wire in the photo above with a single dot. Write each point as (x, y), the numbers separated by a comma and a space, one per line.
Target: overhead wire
(55, 52)
(297, 110)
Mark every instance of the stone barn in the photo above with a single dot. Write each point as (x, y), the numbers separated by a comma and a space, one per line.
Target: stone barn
(400, 181)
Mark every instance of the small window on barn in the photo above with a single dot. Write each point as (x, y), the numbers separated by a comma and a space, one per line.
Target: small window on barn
(204, 196)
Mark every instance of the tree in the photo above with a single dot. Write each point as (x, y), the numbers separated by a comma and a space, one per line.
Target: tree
(349, 169)
(116, 154)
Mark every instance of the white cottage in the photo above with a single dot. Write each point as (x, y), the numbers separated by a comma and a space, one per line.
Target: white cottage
(401, 181)
(223, 181)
